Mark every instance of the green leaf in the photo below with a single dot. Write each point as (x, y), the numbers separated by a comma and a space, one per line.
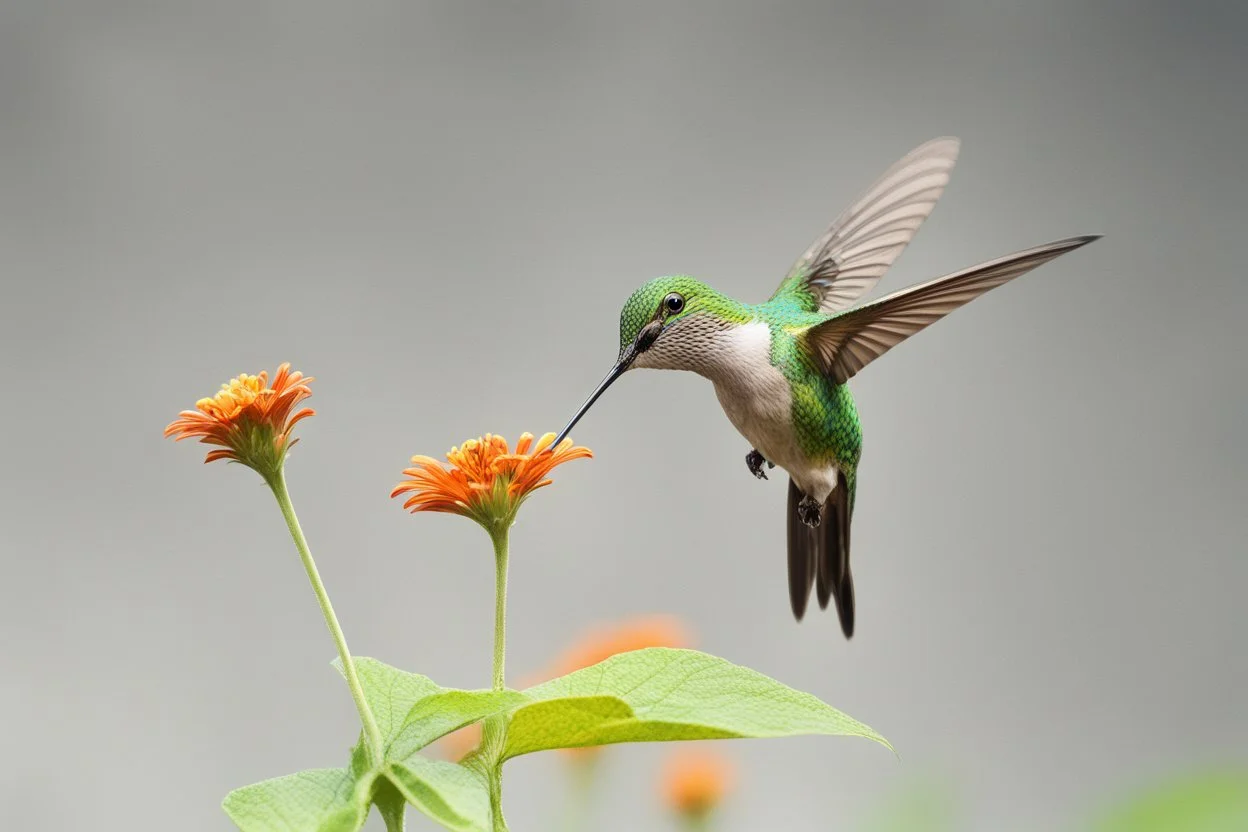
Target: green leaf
(321, 800)
(450, 794)
(1213, 802)
(412, 711)
(438, 715)
(661, 694)
(390, 692)
(409, 708)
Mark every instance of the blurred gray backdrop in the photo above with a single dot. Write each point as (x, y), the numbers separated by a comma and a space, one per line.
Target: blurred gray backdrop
(438, 208)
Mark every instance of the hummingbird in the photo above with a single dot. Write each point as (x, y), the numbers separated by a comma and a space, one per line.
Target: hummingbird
(781, 368)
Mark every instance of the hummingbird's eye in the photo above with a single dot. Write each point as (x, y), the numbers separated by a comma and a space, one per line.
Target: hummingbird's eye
(673, 303)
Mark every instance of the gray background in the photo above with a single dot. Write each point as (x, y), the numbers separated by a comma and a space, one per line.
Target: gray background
(437, 209)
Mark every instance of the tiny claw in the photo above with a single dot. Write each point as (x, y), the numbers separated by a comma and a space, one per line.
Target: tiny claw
(754, 461)
(809, 511)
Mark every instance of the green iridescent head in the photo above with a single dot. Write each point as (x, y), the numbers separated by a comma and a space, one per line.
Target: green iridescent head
(664, 300)
(670, 323)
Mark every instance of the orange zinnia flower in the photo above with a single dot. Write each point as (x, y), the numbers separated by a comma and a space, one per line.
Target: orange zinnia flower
(695, 781)
(486, 481)
(637, 633)
(249, 419)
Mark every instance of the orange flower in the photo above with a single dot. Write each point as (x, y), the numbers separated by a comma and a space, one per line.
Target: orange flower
(486, 482)
(637, 633)
(695, 781)
(249, 419)
(459, 744)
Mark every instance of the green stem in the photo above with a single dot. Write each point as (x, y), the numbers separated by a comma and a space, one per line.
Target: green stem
(391, 805)
(499, 538)
(394, 822)
(697, 823)
(373, 734)
(584, 774)
(494, 779)
(494, 732)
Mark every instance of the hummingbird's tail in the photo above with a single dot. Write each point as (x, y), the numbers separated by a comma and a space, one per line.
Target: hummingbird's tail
(802, 549)
(833, 578)
(819, 556)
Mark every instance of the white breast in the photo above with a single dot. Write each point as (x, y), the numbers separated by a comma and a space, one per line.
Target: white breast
(758, 401)
(754, 394)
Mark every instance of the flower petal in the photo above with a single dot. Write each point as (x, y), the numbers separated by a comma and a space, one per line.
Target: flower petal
(482, 472)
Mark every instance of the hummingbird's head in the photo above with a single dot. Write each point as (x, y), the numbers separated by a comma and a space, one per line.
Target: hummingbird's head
(666, 324)
(655, 323)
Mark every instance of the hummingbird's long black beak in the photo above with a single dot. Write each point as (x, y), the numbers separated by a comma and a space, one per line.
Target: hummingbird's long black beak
(645, 339)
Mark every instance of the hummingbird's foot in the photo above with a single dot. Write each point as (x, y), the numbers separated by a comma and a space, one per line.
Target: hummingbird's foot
(809, 511)
(754, 461)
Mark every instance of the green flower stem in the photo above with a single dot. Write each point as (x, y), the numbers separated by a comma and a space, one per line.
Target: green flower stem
(700, 822)
(371, 732)
(494, 779)
(499, 536)
(391, 805)
(494, 732)
(584, 773)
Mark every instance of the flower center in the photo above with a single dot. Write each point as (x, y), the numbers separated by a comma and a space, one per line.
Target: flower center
(233, 396)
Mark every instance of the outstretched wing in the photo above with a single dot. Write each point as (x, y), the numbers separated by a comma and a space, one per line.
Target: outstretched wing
(845, 344)
(856, 250)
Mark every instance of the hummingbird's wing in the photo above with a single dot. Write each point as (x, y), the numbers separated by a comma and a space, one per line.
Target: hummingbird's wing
(860, 245)
(845, 344)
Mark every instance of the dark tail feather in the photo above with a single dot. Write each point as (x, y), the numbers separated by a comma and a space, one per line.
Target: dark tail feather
(802, 554)
(845, 603)
(828, 556)
(834, 579)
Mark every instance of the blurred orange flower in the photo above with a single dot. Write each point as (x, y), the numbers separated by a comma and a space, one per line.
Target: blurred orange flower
(486, 482)
(636, 633)
(249, 418)
(459, 744)
(695, 781)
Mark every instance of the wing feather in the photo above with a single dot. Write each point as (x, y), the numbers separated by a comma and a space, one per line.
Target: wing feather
(845, 344)
(860, 245)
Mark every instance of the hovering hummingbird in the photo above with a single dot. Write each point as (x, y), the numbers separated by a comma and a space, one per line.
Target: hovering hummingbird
(781, 368)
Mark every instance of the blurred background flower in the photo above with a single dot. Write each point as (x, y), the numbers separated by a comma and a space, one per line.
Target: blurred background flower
(694, 782)
(603, 641)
